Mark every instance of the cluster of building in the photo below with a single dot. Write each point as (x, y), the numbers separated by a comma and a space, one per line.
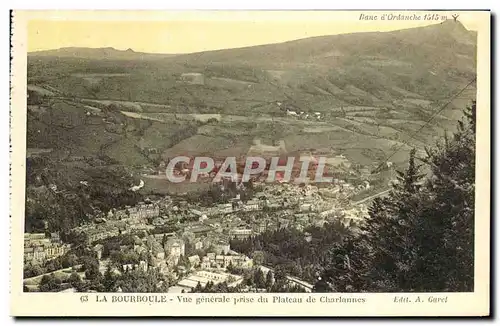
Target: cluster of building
(108, 229)
(218, 253)
(217, 262)
(39, 248)
(276, 206)
(167, 252)
(116, 222)
(213, 227)
(290, 112)
(206, 255)
(140, 211)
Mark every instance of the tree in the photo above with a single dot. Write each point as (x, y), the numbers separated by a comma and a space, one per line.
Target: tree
(53, 265)
(248, 277)
(139, 281)
(269, 280)
(91, 268)
(109, 281)
(49, 283)
(221, 288)
(188, 237)
(449, 254)
(197, 288)
(391, 233)
(74, 279)
(69, 260)
(32, 270)
(258, 257)
(259, 279)
(280, 274)
(208, 287)
(230, 267)
(345, 268)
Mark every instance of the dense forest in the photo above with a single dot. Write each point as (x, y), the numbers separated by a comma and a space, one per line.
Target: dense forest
(58, 199)
(298, 253)
(418, 238)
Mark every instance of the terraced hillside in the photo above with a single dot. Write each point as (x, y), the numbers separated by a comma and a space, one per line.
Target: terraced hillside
(362, 95)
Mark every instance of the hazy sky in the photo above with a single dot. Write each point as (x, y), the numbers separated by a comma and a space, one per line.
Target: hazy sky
(184, 32)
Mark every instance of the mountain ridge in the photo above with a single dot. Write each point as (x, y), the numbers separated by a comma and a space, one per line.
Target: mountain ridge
(309, 49)
(455, 28)
(98, 53)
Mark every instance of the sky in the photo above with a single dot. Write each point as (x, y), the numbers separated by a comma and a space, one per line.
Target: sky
(186, 32)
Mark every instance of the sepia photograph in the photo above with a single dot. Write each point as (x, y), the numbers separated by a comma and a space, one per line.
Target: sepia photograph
(279, 158)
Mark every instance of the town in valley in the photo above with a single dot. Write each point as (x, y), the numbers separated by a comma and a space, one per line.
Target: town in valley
(125, 147)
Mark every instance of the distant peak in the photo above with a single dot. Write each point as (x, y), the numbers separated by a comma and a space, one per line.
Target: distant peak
(453, 30)
(130, 50)
(452, 23)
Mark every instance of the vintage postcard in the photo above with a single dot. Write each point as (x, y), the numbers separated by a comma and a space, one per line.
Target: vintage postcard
(261, 163)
